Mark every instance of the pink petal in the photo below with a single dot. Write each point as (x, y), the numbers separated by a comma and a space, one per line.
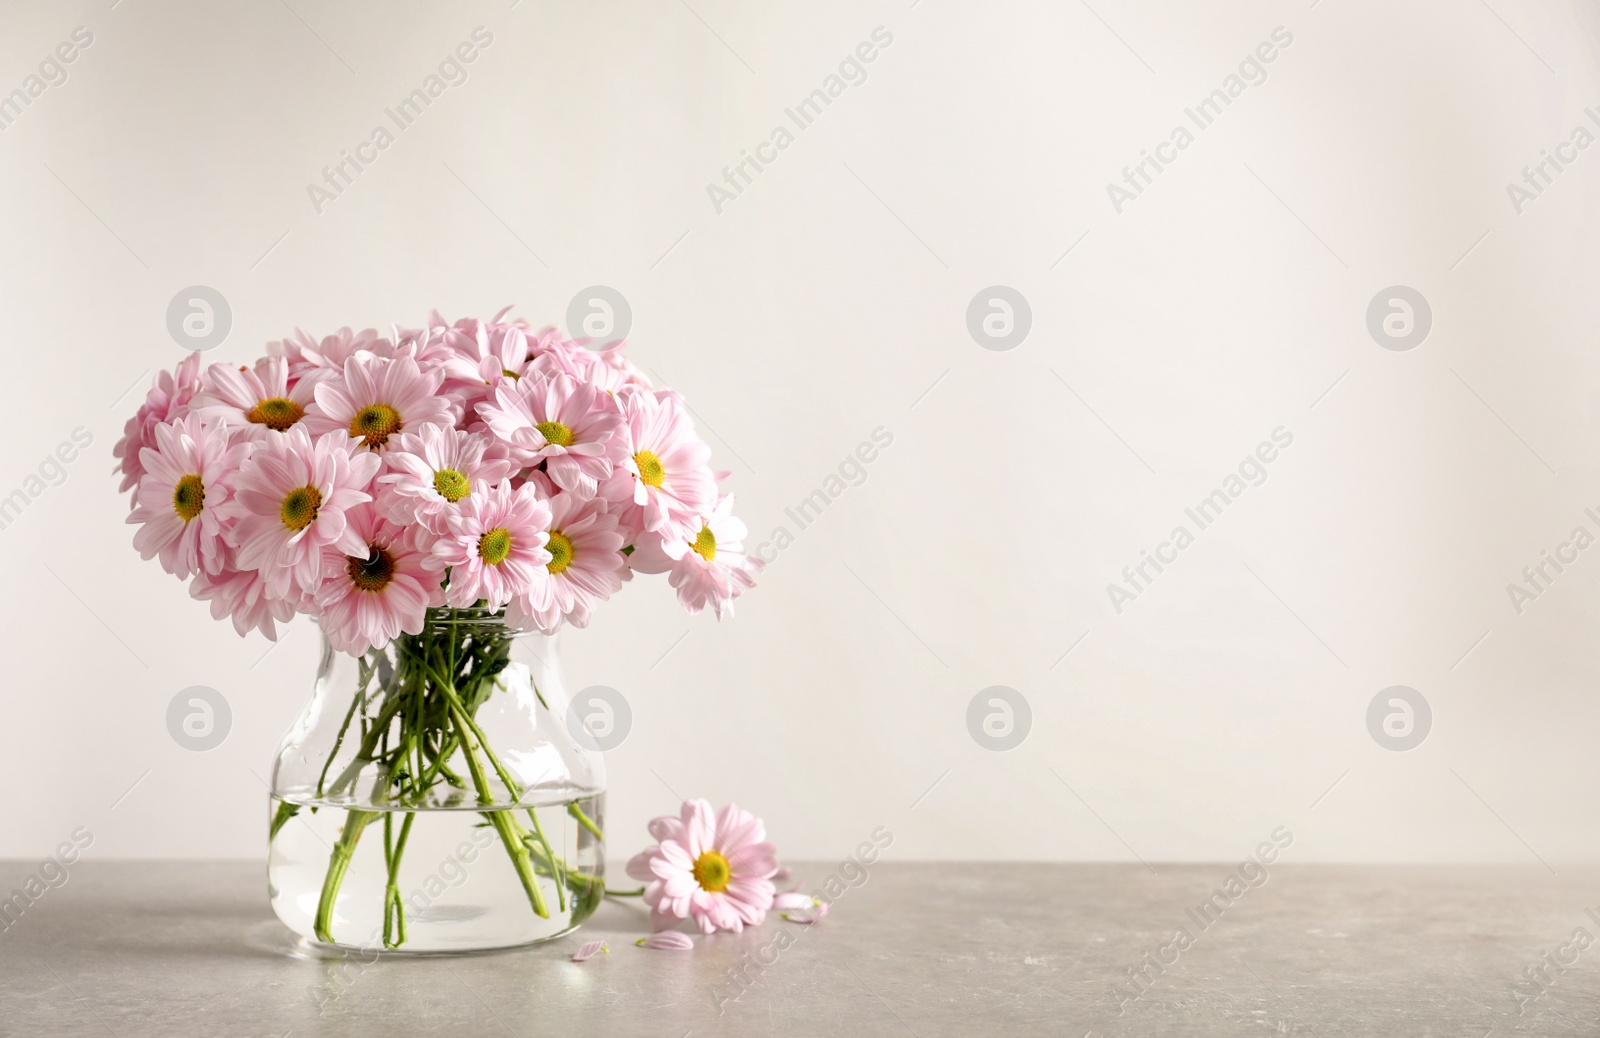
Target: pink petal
(793, 899)
(814, 915)
(667, 940)
(639, 865)
(589, 951)
(665, 828)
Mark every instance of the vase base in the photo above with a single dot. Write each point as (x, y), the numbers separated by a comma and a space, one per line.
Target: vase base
(435, 882)
(311, 949)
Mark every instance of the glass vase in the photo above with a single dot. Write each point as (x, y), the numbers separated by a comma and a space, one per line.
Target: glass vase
(431, 797)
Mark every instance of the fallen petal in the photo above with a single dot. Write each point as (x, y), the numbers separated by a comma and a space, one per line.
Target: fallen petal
(667, 940)
(809, 915)
(793, 899)
(589, 951)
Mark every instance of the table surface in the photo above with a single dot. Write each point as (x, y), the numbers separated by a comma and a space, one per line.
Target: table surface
(172, 949)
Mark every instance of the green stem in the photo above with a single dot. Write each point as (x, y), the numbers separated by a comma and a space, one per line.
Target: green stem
(511, 834)
(281, 818)
(557, 866)
(584, 820)
(338, 865)
(392, 904)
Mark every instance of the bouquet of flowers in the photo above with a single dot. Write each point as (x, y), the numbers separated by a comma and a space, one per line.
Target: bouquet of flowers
(381, 484)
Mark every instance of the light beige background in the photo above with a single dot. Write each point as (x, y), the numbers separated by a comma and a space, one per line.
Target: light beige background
(829, 300)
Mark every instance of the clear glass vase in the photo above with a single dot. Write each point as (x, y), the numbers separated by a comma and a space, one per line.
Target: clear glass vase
(432, 798)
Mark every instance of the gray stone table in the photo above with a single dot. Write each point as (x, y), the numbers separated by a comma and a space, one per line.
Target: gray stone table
(132, 949)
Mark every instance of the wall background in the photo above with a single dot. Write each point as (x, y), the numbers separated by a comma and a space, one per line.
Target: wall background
(829, 299)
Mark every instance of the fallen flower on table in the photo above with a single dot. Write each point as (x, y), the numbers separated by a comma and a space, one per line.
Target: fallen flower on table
(667, 940)
(589, 951)
(713, 868)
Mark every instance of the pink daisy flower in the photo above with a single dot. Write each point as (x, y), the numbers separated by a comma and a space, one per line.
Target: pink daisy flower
(183, 494)
(167, 399)
(573, 427)
(663, 485)
(586, 567)
(427, 346)
(714, 869)
(242, 595)
(290, 500)
(494, 545)
(608, 369)
(555, 352)
(257, 401)
(484, 352)
(377, 397)
(710, 570)
(305, 354)
(430, 472)
(373, 595)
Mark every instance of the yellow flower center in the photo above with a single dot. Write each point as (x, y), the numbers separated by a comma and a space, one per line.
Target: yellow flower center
(375, 423)
(494, 546)
(711, 872)
(300, 508)
(372, 573)
(451, 485)
(512, 375)
(276, 413)
(560, 549)
(705, 544)
(651, 474)
(189, 497)
(556, 433)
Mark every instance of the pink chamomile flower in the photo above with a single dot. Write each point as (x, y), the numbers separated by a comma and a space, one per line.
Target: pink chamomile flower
(663, 485)
(329, 353)
(484, 352)
(494, 545)
(573, 427)
(710, 570)
(256, 402)
(586, 567)
(608, 369)
(167, 399)
(290, 500)
(429, 473)
(376, 398)
(715, 869)
(181, 501)
(241, 595)
(373, 595)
